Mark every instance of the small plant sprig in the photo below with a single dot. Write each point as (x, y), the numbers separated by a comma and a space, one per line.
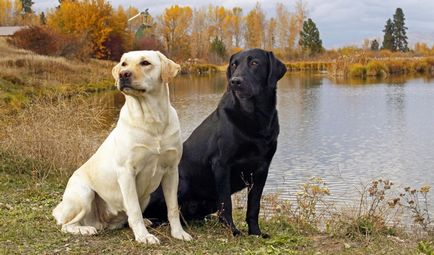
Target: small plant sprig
(377, 193)
(310, 194)
(416, 201)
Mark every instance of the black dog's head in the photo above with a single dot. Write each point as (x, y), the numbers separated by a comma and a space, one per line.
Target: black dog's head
(251, 72)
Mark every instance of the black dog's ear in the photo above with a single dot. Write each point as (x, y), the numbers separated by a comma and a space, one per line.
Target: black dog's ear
(277, 69)
(228, 70)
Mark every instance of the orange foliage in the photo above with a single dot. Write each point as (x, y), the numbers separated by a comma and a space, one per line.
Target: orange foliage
(92, 20)
(255, 26)
(174, 24)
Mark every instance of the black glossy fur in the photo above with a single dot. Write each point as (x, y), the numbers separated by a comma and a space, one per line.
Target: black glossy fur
(233, 147)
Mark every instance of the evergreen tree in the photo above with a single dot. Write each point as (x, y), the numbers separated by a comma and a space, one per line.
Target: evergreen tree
(27, 6)
(218, 47)
(309, 38)
(388, 40)
(399, 31)
(374, 45)
(42, 19)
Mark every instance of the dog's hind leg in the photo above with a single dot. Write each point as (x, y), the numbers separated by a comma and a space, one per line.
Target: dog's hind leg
(143, 206)
(76, 205)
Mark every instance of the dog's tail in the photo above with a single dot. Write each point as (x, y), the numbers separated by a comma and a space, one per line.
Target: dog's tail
(64, 215)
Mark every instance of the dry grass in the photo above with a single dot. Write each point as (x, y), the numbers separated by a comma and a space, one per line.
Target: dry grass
(25, 75)
(58, 132)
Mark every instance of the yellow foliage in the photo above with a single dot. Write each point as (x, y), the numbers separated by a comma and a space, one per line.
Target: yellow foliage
(175, 23)
(90, 20)
(255, 24)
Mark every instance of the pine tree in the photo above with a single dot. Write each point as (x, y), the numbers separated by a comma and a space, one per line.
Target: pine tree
(42, 19)
(218, 47)
(27, 6)
(388, 40)
(309, 38)
(399, 31)
(374, 45)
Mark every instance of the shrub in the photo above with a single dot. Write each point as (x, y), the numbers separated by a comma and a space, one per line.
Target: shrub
(36, 39)
(370, 217)
(47, 42)
(420, 66)
(397, 67)
(148, 43)
(416, 202)
(376, 68)
(357, 70)
(310, 195)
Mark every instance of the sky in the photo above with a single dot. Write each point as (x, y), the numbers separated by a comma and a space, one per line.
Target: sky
(340, 22)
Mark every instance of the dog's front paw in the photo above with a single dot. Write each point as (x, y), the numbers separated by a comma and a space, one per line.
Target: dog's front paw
(236, 232)
(260, 234)
(79, 230)
(182, 235)
(148, 239)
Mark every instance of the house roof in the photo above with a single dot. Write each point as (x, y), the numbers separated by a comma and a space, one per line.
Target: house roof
(7, 31)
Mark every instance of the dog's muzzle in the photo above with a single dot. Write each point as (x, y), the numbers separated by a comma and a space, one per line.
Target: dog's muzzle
(125, 78)
(236, 82)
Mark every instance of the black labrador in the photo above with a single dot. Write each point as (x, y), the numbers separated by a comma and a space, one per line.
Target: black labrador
(233, 147)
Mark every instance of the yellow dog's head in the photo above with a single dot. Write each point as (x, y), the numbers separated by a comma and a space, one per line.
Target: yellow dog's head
(141, 72)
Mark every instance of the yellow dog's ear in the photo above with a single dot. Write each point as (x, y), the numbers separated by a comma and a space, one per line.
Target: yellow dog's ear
(115, 71)
(169, 69)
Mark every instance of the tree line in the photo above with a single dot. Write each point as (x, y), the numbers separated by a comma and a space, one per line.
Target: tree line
(94, 28)
(208, 33)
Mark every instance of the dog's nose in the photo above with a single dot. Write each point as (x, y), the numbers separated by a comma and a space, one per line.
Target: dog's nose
(236, 81)
(125, 74)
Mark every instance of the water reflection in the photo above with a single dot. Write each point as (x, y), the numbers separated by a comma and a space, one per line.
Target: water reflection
(346, 131)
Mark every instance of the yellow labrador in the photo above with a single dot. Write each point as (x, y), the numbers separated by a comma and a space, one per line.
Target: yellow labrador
(142, 151)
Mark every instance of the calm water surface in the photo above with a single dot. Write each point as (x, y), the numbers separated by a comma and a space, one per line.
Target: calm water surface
(347, 132)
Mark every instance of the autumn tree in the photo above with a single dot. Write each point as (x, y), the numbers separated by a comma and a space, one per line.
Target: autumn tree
(388, 39)
(6, 12)
(310, 38)
(399, 31)
(199, 35)
(236, 26)
(119, 38)
(255, 27)
(216, 20)
(422, 48)
(12, 13)
(293, 33)
(270, 34)
(282, 26)
(175, 24)
(90, 20)
(300, 15)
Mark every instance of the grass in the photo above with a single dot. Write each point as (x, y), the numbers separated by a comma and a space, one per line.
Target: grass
(61, 132)
(28, 228)
(25, 75)
(50, 137)
(51, 133)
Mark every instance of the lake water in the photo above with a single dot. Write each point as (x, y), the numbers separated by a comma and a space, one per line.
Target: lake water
(347, 132)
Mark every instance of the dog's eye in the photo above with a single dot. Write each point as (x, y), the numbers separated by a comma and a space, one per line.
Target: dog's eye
(124, 64)
(144, 63)
(254, 63)
(233, 65)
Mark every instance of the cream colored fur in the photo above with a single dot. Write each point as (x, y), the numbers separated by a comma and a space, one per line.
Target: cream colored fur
(143, 150)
